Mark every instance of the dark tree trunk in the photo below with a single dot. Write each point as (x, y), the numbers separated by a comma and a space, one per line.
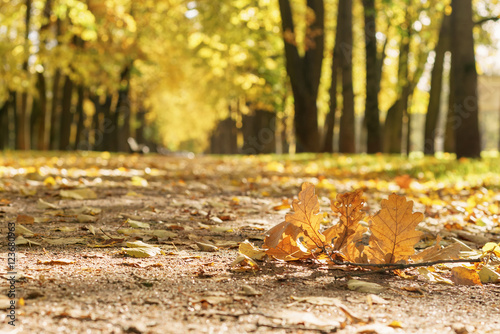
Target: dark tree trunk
(449, 137)
(347, 137)
(141, 124)
(39, 116)
(372, 117)
(258, 132)
(66, 115)
(13, 118)
(55, 112)
(224, 138)
(393, 127)
(4, 124)
(328, 145)
(81, 143)
(304, 73)
(102, 123)
(23, 133)
(466, 111)
(39, 121)
(433, 110)
(122, 112)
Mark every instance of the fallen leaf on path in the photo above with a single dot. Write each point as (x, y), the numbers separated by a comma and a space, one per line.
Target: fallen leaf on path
(81, 193)
(491, 247)
(21, 230)
(488, 275)
(91, 229)
(25, 219)
(285, 205)
(56, 261)
(374, 299)
(65, 241)
(366, 287)
(20, 240)
(433, 277)
(317, 300)
(86, 219)
(4, 202)
(137, 224)
(348, 206)
(139, 181)
(436, 253)
(253, 252)
(245, 262)
(393, 231)
(465, 276)
(41, 204)
(141, 249)
(250, 291)
(307, 217)
(25, 191)
(207, 247)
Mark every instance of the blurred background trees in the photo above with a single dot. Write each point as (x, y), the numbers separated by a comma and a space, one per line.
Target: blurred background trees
(250, 76)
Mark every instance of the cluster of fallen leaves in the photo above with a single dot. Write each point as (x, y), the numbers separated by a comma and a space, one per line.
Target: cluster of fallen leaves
(387, 241)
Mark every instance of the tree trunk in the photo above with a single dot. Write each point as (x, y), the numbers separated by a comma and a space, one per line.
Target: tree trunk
(372, 117)
(141, 124)
(331, 116)
(304, 73)
(347, 137)
(122, 112)
(66, 115)
(4, 124)
(39, 115)
(394, 120)
(393, 128)
(79, 143)
(55, 112)
(449, 137)
(23, 133)
(224, 138)
(467, 138)
(258, 132)
(39, 121)
(433, 109)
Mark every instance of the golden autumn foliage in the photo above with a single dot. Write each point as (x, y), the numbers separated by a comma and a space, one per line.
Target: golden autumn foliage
(392, 240)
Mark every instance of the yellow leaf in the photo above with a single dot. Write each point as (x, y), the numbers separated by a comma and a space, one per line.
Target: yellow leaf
(49, 181)
(393, 231)
(248, 249)
(348, 206)
(139, 181)
(306, 216)
(396, 324)
(464, 276)
(82, 193)
(491, 247)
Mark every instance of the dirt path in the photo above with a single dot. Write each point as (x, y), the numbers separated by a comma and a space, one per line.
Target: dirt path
(87, 284)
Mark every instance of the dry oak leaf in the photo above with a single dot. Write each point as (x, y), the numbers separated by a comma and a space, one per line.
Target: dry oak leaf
(436, 253)
(348, 206)
(306, 216)
(279, 242)
(288, 250)
(393, 231)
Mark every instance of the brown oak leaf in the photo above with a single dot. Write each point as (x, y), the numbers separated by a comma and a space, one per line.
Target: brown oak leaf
(288, 250)
(348, 206)
(306, 216)
(276, 234)
(393, 231)
(436, 253)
